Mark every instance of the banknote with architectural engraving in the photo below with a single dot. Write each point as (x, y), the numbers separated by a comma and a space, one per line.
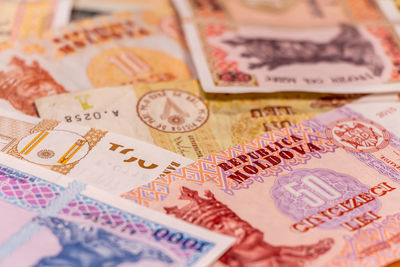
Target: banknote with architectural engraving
(317, 193)
(122, 48)
(52, 220)
(24, 19)
(106, 160)
(179, 117)
(346, 58)
(233, 55)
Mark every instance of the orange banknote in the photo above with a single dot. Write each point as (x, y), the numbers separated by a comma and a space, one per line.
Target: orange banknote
(23, 19)
(109, 50)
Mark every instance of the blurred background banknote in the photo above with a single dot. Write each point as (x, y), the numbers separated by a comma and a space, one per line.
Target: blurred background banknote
(180, 117)
(89, 8)
(58, 221)
(118, 49)
(345, 53)
(290, 12)
(22, 19)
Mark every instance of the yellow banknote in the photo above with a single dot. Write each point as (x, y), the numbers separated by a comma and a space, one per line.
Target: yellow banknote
(23, 19)
(179, 117)
(123, 48)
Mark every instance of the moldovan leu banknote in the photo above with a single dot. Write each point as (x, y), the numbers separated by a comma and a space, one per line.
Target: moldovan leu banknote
(109, 161)
(89, 8)
(394, 264)
(287, 12)
(318, 193)
(109, 50)
(235, 57)
(23, 19)
(391, 9)
(52, 220)
(179, 117)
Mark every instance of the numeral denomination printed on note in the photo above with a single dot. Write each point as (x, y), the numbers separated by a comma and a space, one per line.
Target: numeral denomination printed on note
(53, 220)
(119, 49)
(308, 194)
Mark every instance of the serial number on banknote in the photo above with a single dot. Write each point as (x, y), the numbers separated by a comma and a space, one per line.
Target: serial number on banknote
(91, 116)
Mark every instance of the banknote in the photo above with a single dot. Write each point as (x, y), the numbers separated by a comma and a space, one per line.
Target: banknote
(394, 264)
(318, 193)
(122, 48)
(286, 12)
(109, 6)
(52, 220)
(347, 58)
(23, 19)
(391, 9)
(109, 161)
(159, 12)
(179, 117)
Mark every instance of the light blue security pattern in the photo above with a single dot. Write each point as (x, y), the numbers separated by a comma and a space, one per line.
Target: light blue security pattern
(83, 244)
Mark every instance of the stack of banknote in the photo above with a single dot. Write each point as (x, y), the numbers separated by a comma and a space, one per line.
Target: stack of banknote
(200, 133)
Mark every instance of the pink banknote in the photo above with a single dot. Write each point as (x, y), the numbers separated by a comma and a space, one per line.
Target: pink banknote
(322, 192)
(288, 12)
(321, 46)
(237, 58)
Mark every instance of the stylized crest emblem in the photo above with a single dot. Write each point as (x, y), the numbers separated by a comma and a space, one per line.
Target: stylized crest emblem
(358, 135)
(172, 111)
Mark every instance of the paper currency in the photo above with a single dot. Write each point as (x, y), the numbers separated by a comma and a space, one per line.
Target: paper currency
(344, 59)
(111, 50)
(158, 12)
(23, 19)
(316, 193)
(394, 264)
(109, 161)
(179, 117)
(350, 57)
(391, 9)
(285, 12)
(52, 220)
(109, 6)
